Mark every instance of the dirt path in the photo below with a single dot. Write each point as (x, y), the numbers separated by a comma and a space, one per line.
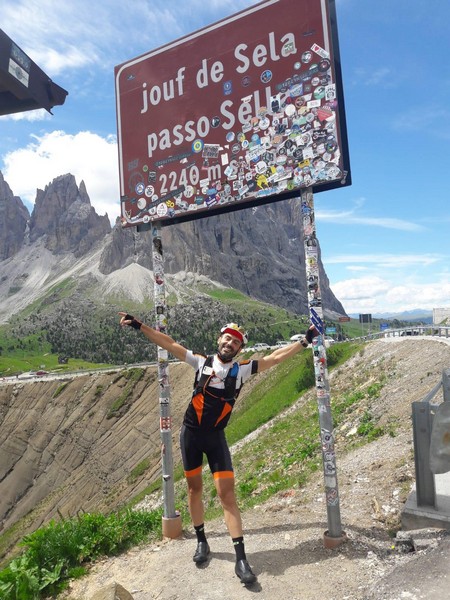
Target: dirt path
(284, 541)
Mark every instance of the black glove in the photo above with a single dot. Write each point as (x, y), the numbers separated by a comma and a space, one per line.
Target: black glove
(310, 334)
(135, 324)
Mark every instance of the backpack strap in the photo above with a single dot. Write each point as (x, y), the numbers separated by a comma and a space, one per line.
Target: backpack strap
(231, 381)
(202, 377)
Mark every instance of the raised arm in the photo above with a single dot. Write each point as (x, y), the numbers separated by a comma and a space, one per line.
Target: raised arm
(157, 337)
(281, 354)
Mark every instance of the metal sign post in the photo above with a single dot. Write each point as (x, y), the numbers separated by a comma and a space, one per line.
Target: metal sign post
(171, 523)
(334, 536)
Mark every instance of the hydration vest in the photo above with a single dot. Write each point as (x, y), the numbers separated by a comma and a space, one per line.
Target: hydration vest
(210, 408)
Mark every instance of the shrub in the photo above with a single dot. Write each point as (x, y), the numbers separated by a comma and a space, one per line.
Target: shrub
(368, 429)
(58, 551)
(307, 378)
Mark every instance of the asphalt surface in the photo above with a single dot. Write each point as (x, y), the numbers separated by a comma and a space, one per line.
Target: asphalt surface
(425, 577)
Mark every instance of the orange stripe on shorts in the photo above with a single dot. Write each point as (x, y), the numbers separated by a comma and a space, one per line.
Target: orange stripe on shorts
(193, 472)
(223, 475)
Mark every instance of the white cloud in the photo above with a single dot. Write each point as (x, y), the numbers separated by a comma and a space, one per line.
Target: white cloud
(348, 217)
(56, 62)
(383, 282)
(55, 42)
(385, 260)
(363, 288)
(30, 115)
(77, 34)
(431, 119)
(86, 155)
(381, 77)
(374, 294)
(60, 36)
(356, 268)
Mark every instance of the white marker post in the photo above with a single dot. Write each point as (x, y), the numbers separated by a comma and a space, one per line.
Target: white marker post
(171, 521)
(334, 536)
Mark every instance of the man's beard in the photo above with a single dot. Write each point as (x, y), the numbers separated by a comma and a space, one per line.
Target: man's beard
(226, 354)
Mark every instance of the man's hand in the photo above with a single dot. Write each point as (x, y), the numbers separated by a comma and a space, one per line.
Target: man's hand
(310, 334)
(129, 320)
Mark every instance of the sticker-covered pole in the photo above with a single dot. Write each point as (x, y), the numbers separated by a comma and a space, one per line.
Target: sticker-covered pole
(171, 524)
(334, 536)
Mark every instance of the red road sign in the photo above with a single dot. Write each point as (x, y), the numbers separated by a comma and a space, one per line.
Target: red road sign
(243, 112)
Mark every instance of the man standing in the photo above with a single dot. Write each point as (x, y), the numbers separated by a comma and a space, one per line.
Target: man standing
(218, 381)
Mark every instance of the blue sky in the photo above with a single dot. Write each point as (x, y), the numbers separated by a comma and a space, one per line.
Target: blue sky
(384, 239)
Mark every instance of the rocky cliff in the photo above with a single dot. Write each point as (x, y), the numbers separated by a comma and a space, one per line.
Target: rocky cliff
(62, 218)
(13, 221)
(64, 215)
(259, 252)
(73, 444)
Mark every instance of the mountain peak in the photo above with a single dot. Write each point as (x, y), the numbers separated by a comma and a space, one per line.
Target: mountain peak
(64, 215)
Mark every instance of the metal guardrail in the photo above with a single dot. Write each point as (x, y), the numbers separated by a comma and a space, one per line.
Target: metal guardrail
(427, 330)
(431, 428)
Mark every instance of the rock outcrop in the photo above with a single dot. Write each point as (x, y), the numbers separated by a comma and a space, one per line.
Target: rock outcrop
(63, 213)
(259, 252)
(14, 216)
(79, 444)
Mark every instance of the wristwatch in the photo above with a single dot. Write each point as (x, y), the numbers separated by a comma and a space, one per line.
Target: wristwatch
(304, 343)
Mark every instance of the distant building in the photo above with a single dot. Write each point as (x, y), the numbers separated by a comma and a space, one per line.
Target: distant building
(441, 316)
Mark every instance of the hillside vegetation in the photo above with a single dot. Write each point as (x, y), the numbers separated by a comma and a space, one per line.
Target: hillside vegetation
(66, 330)
(61, 330)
